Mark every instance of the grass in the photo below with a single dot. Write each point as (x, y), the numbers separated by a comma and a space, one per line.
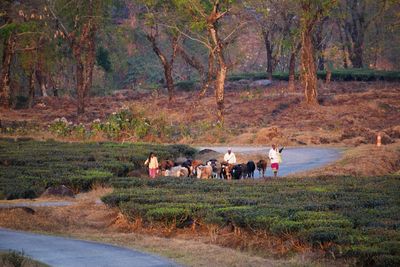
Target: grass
(27, 168)
(18, 259)
(346, 217)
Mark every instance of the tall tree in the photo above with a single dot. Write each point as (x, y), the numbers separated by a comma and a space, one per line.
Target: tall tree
(78, 23)
(24, 33)
(8, 29)
(312, 11)
(204, 24)
(153, 15)
(356, 17)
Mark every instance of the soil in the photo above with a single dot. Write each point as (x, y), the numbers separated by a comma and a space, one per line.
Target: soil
(349, 114)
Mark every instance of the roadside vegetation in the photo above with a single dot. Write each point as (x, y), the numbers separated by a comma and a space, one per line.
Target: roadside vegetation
(18, 259)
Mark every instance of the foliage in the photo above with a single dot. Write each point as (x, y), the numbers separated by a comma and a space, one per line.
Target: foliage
(27, 168)
(18, 259)
(103, 60)
(351, 217)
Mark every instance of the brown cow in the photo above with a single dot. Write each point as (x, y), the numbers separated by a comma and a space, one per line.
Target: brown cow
(204, 172)
(262, 166)
(226, 170)
(166, 164)
(195, 164)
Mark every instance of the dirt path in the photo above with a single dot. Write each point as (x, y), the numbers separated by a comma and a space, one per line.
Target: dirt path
(65, 252)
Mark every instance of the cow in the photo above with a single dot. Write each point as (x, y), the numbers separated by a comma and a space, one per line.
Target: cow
(204, 171)
(188, 165)
(213, 164)
(226, 170)
(250, 168)
(195, 164)
(244, 170)
(262, 166)
(166, 165)
(177, 171)
(237, 172)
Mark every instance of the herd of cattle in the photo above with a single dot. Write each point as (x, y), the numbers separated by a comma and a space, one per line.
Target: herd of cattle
(211, 169)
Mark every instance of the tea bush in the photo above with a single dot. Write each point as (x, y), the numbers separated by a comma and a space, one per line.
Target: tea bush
(27, 168)
(350, 217)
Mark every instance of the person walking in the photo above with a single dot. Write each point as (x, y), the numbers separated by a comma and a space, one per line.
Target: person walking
(230, 157)
(275, 157)
(152, 163)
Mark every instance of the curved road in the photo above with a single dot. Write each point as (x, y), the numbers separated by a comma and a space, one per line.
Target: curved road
(294, 160)
(65, 252)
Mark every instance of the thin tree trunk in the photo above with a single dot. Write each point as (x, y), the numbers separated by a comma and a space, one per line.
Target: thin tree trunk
(80, 88)
(210, 72)
(40, 73)
(342, 41)
(167, 65)
(328, 74)
(41, 78)
(269, 49)
(356, 57)
(292, 71)
(31, 96)
(309, 72)
(8, 53)
(84, 53)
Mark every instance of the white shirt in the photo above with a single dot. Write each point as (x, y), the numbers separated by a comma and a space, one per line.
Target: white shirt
(274, 155)
(230, 158)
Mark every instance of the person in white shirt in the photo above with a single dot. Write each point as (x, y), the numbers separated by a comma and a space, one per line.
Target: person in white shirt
(275, 157)
(230, 157)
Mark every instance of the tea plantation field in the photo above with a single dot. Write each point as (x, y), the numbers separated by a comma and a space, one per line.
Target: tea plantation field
(27, 168)
(357, 218)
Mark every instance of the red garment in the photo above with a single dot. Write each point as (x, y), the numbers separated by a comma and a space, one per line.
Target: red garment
(275, 166)
(152, 172)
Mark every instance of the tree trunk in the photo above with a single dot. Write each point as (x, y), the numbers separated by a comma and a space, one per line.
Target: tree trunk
(212, 27)
(309, 73)
(84, 52)
(196, 64)
(342, 41)
(41, 78)
(292, 71)
(41, 75)
(356, 57)
(80, 88)
(167, 65)
(31, 96)
(220, 91)
(8, 53)
(170, 81)
(269, 49)
(209, 78)
(328, 74)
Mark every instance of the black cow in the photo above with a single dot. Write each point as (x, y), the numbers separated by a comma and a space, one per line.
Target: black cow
(188, 165)
(251, 167)
(237, 172)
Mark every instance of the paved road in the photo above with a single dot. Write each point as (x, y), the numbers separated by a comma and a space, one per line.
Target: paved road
(65, 252)
(294, 160)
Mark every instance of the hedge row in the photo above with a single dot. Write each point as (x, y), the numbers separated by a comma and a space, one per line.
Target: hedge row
(337, 75)
(360, 217)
